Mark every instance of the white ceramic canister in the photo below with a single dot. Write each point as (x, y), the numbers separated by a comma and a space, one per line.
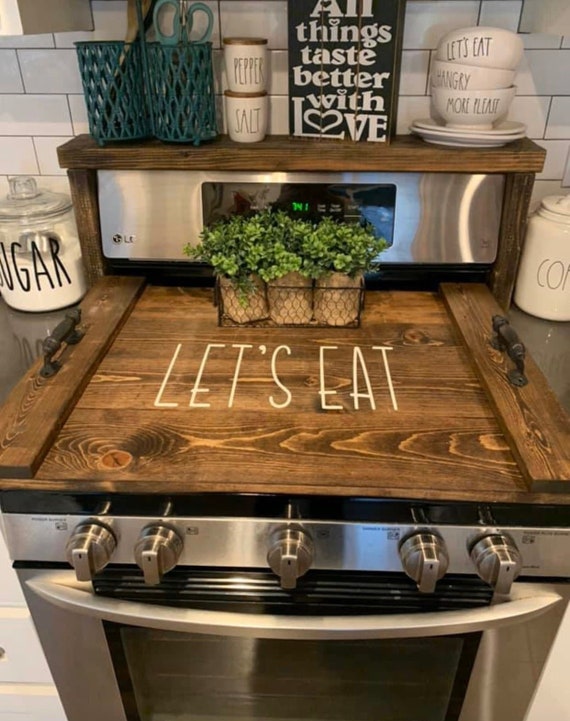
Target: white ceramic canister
(247, 116)
(245, 60)
(543, 282)
(41, 267)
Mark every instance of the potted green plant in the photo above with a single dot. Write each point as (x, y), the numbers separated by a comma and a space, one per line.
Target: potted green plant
(337, 255)
(289, 288)
(234, 247)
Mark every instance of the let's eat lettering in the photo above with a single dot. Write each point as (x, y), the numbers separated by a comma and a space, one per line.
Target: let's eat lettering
(342, 55)
(370, 378)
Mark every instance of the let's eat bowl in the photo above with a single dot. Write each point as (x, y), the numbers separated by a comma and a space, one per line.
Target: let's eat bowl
(472, 109)
(481, 46)
(456, 76)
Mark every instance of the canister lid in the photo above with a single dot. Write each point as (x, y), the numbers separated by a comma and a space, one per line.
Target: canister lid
(26, 201)
(559, 204)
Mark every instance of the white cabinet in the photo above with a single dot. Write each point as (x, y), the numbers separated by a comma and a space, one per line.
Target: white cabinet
(27, 692)
(29, 17)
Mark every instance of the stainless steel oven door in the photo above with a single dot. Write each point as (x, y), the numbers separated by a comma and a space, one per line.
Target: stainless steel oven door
(124, 661)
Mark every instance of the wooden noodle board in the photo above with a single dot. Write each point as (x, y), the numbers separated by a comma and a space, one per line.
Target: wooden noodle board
(178, 404)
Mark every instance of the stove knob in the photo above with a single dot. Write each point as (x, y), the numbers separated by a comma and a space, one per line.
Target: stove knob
(425, 559)
(290, 555)
(89, 549)
(157, 551)
(497, 560)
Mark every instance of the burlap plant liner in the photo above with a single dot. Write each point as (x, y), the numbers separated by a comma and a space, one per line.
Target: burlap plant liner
(290, 299)
(233, 307)
(338, 299)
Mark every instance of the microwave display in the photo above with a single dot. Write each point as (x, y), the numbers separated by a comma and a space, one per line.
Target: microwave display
(348, 202)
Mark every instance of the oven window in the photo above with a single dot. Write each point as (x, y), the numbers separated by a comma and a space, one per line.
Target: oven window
(190, 677)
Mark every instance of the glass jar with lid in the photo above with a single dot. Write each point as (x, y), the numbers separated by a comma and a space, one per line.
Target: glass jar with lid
(41, 267)
(543, 282)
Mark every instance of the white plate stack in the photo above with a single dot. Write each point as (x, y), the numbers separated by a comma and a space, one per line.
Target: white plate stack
(472, 89)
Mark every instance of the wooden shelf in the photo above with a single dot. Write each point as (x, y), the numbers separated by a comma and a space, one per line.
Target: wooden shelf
(283, 153)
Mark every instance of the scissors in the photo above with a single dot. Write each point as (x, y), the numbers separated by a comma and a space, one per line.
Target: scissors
(182, 22)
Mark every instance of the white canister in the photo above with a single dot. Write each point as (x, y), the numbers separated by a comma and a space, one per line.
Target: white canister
(543, 283)
(41, 267)
(245, 60)
(247, 116)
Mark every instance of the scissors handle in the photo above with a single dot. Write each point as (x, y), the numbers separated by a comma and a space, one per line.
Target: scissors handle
(192, 10)
(180, 33)
(174, 37)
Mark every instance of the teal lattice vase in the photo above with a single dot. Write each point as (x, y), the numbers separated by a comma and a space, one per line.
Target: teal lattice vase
(114, 90)
(181, 88)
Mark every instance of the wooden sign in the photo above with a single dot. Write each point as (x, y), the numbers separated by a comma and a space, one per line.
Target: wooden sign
(343, 68)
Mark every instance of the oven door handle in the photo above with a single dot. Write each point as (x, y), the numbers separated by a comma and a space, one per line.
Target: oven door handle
(61, 589)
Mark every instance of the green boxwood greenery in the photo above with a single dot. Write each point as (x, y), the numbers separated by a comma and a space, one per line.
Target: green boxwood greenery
(271, 244)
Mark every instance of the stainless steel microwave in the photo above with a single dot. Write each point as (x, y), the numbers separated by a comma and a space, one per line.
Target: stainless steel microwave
(426, 218)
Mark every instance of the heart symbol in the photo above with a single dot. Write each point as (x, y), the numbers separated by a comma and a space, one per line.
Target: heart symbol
(320, 125)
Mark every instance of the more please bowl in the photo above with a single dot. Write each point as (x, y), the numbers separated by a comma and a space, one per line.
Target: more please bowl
(457, 76)
(472, 109)
(481, 46)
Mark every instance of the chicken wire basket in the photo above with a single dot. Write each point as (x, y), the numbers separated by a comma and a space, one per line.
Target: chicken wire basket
(292, 306)
(114, 90)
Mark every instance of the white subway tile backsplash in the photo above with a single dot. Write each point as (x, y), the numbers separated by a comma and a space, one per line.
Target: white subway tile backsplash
(27, 41)
(278, 115)
(41, 97)
(35, 115)
(543, 188)
(10, 78)
(533, 111)
(413, 72)
(544, 72)
(501, 14)
(110, 23)
(46, 153)
(78, 114)
(541, 40)
(264, 19)
(427, 22)
(50, 71)
(556, 154)
(559, 118)
(411, 108)
(17, 156)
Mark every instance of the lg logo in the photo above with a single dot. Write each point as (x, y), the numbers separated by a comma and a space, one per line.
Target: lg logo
(120, 238)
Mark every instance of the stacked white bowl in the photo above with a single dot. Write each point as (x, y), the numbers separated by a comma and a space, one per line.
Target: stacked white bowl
(472, 76)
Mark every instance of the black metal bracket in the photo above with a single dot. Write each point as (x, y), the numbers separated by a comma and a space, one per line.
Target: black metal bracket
(64, 332)
(505, 339)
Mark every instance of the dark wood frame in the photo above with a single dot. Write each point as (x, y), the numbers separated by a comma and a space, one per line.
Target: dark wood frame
(519, 161)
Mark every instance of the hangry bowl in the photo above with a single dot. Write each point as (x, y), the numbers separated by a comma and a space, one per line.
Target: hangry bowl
(481, 46)
(472, 109)
(456, 76)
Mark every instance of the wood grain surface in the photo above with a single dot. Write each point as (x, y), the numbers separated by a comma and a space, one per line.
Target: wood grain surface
(442, 440)
(280, 152)
(534, 423)
(203, 426)
(38, 407)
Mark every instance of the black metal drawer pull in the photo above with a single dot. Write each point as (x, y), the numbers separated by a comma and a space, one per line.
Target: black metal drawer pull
(64, 332)
(505, 338)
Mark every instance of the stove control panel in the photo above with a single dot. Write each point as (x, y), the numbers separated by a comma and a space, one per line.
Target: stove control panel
(424, 551)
